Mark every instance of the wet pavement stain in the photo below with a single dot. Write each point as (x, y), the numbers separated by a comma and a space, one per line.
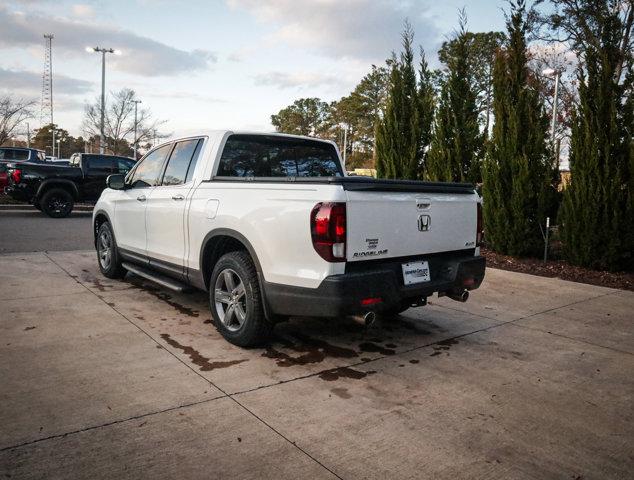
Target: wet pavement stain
(311, 350)
(370, 347)
(445, 344)
(168, 299)
(98, 285)
(341, 393)
(344, 372)
(198, 359)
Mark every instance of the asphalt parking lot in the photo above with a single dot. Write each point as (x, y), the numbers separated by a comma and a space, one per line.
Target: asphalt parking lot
(532, 378)
(29, 230)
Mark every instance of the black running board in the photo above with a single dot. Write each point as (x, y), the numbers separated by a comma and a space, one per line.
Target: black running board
(155, 277)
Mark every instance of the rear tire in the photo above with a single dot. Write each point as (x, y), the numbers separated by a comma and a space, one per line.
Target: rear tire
(235, 301)
(108, 254)
(57, 203)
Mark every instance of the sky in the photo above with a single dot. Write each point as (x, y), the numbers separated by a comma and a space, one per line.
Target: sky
(216, 64)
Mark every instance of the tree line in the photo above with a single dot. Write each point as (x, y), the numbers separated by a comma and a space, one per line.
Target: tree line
(485, 118)
(119, 126)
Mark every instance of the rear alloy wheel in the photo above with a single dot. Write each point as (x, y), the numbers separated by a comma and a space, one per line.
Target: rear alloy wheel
(230, 300)
(57, 203)
(235, 301)
(108, 254)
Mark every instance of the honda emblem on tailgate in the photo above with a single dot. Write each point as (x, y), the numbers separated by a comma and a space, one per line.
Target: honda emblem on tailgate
(424, 222)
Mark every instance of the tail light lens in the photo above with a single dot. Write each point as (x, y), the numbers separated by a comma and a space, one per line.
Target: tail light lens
(328, 231)
(16, 175)
(480, 227)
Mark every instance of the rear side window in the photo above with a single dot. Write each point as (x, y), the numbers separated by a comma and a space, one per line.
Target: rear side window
(99, 162)
(147, 173)
(272, 156)
(183, 159)
(14, 154)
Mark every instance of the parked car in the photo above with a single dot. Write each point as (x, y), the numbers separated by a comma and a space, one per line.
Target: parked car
(13, 155)
(54, 188)
(272, 227)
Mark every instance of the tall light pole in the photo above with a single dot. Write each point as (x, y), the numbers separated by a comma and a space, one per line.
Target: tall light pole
(136, 123)
(103, 51)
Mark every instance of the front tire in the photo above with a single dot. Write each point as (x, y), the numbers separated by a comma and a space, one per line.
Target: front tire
(236, 302)
(57, 203)
(108, 253)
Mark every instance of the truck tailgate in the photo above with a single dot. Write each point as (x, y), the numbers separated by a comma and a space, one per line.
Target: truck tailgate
(401, 224)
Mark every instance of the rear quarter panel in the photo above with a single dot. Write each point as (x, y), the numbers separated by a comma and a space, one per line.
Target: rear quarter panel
(275, 218)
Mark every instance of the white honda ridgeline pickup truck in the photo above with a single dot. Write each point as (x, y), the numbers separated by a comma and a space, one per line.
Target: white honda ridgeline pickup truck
(271, 226)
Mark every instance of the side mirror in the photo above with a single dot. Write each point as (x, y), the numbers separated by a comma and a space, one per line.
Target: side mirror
(116, 181)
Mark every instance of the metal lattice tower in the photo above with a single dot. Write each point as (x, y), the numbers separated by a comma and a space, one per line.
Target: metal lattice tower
(46, 113)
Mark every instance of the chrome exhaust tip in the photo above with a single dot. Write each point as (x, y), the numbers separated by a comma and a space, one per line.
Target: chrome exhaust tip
(366, 319)
(369, 319)
(462, 296)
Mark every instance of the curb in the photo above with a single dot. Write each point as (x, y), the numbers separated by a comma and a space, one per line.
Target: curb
(26, 206)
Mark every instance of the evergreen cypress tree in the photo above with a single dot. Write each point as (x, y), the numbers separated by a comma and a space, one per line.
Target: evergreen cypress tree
(398, 134)
(517, 187)
(597, 216)
(426, 99)
(457, 142)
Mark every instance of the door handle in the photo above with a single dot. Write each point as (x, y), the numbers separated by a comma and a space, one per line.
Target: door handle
(141, 198)
(178, 197)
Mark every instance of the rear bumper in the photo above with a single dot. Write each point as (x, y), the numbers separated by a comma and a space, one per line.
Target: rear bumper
(17, 193)
(343, 294)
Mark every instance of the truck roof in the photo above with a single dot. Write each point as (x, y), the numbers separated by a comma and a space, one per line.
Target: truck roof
(218, 134)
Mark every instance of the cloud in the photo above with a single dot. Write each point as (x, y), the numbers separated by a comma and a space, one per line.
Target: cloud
(180, 95)
(140, 55)
(30, 83)
(285, 80)
(83, 11)
(361, 29)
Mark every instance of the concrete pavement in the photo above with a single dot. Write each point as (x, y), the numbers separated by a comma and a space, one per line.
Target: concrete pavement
(532, 378)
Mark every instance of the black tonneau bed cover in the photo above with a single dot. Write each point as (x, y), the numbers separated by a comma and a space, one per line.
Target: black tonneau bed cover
(365, 184)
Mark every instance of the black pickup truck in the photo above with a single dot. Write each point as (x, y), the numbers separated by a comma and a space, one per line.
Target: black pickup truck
(54, 189)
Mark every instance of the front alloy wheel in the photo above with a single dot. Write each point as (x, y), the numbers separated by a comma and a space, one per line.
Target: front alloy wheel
(104, 248)
(107, 253)
(230, 300)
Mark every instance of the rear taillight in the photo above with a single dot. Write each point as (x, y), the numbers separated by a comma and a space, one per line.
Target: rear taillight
(16, 175)
(328, 231)
(480, 227)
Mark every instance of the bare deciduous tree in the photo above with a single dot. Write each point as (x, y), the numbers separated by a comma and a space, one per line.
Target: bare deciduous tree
(119, 122)
(13, 111)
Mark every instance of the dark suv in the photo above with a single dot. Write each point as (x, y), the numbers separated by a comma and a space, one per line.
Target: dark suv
(16, 154)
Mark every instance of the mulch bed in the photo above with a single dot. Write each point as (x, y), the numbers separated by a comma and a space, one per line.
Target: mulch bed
(560, 269)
